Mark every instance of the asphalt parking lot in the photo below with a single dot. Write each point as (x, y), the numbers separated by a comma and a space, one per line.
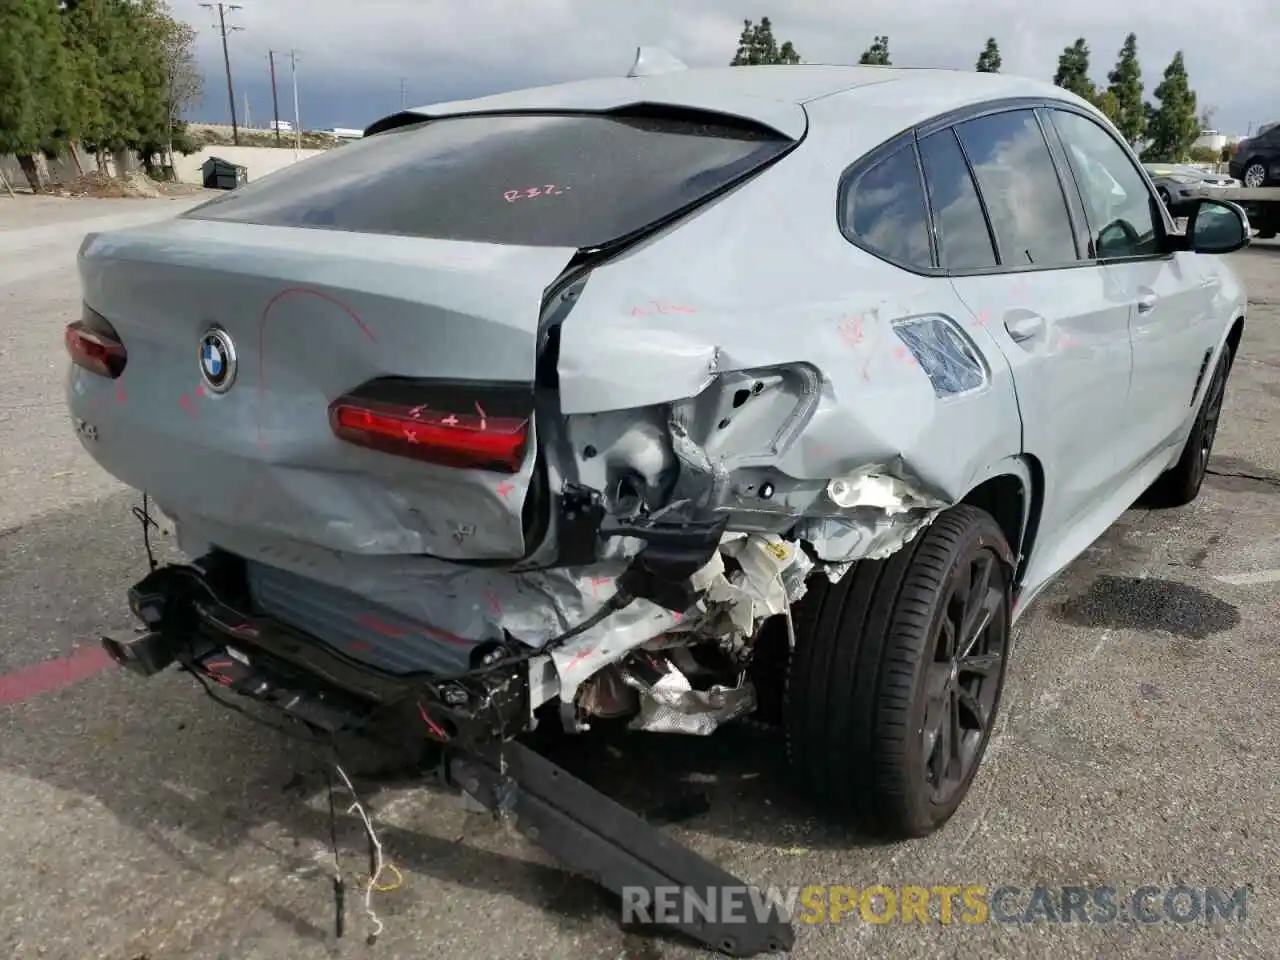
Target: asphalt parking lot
(140, 820)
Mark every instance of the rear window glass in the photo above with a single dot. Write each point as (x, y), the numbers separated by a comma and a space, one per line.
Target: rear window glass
(535, 180)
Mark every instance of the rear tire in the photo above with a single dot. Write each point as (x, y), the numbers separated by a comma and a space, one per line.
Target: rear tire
(881, 680)
(1181, 484)
(1254, 174)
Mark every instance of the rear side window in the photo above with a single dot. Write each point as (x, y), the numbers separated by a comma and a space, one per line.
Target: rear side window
(1020, 186)
(535, 180)
(883, 209)
(964, 243)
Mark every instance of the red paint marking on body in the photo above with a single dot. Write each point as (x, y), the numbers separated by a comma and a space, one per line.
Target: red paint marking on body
(188, 405)
(851, 330)
(446, 636)
(373, 623)
(120, 394)
(52, 674)
(262, 330)
(579, 657)
(505, 487)
(528, 193)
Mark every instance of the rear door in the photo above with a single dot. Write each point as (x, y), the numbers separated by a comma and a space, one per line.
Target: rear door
(1005, 235)
(1169, 295)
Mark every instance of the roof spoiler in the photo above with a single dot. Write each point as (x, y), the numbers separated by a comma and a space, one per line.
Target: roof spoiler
(654, 60)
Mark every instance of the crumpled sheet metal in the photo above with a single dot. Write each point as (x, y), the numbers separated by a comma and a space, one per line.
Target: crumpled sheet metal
(771, 577)
(478, 604)
(671, 705)
(880, 513)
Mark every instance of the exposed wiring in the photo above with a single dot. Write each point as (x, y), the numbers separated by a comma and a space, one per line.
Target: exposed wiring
(143, 515)
(339, 886)
(434, 727)
(377, 864)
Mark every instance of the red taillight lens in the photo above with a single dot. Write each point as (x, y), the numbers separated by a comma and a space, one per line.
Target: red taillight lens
(94, 345)
(474, 441)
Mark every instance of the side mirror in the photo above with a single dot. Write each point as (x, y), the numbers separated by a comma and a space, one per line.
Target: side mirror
(1217, 226)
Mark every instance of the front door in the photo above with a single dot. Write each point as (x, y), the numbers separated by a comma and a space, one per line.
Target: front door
(1057, 318)
(1169, 297)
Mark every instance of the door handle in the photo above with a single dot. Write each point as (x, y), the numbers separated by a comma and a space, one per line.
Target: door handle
(1024, 327)
(1146, 302)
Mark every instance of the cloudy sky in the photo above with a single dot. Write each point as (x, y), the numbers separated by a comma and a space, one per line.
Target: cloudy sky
(353, 54)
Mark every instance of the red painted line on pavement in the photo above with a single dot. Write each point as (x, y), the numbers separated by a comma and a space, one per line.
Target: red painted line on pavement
(52, 674)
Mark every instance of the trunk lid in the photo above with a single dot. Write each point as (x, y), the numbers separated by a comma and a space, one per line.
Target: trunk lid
(312, 315)
(411, 269)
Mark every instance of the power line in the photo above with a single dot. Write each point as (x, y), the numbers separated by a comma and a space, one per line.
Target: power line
(226, 58)
(293, 72)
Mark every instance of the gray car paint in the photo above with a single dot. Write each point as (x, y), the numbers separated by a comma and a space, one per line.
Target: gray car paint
(847, 440)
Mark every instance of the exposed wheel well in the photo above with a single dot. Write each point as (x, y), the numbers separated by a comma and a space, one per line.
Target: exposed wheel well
(1006, 499)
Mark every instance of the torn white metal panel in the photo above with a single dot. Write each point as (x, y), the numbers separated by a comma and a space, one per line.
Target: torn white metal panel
(842, 539)
(672, 705)
(879, 513)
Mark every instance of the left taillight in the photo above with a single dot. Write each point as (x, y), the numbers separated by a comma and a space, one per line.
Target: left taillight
(94, 345)
(475, 427)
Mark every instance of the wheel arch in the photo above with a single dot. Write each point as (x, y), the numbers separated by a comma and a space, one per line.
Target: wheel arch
(1012, 492)
(1235, 334)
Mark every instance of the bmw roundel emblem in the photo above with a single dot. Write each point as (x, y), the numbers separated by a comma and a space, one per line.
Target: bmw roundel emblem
(217, 360)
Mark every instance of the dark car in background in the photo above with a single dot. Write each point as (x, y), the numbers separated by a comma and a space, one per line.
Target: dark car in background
(1256, 162)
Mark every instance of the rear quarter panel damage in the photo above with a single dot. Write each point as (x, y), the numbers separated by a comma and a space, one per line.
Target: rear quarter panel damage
(761, 293)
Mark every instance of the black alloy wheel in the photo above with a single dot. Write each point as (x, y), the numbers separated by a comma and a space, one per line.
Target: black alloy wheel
(962, 683)
(894, 686)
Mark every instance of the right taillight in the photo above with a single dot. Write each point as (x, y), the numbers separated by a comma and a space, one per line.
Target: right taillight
(94, 345)
(469, 427)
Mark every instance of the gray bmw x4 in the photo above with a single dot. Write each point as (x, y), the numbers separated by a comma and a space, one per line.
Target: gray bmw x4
(666, 400)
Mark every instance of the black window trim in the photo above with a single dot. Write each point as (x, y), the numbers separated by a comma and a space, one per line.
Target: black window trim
(982, 205)
(1158, 210)
(949, 120)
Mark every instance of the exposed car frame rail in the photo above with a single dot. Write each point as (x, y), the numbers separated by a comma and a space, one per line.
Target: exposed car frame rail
(189, 622)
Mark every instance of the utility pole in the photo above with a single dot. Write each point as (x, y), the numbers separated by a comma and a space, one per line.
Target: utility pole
(275, 102)
(297, 121)
(404, 95)
(226, 59)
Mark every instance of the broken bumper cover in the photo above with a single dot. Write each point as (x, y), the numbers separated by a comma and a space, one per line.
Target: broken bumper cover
(189, 622)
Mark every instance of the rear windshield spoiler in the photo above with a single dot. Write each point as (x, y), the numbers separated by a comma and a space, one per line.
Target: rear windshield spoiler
(642, 109)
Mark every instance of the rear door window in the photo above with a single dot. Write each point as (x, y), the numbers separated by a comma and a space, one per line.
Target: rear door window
(1020, 187)
(964, 243)
(883, 209)
(580, 180)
